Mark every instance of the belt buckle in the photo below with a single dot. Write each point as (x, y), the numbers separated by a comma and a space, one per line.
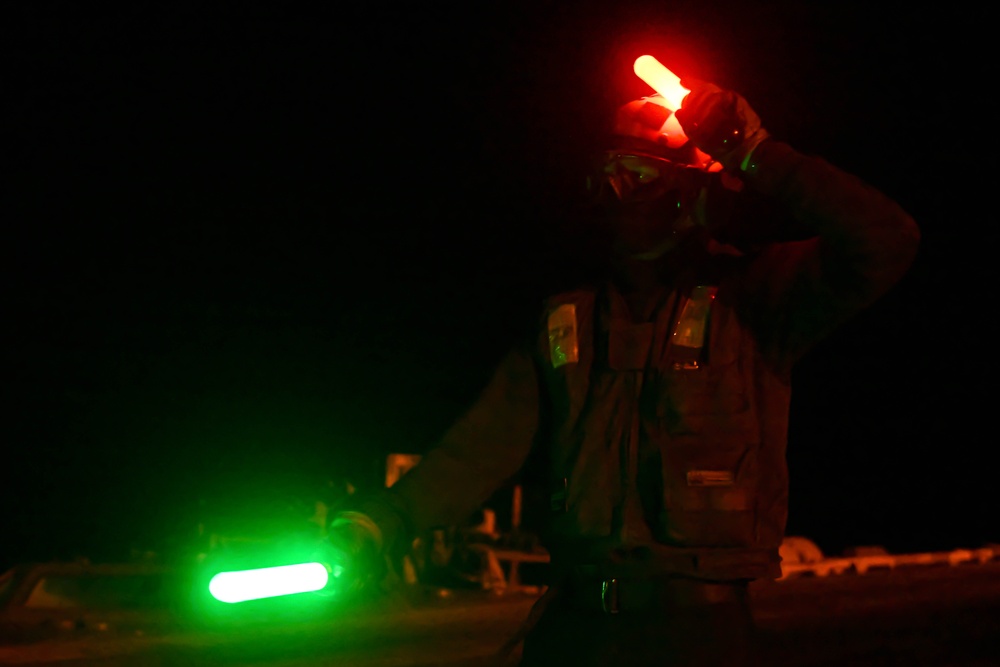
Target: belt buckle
(609, 596)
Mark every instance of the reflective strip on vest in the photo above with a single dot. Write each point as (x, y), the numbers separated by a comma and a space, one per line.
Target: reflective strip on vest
(690, 328)
(563, 346)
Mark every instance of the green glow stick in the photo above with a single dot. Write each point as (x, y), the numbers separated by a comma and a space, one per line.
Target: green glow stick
(268, 582)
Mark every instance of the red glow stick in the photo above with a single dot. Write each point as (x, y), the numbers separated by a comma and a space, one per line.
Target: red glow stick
(662, 80)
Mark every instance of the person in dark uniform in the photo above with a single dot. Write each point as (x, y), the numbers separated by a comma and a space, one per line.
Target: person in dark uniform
(654, 405)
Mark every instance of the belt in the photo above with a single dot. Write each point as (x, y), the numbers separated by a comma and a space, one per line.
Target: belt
(612, 596)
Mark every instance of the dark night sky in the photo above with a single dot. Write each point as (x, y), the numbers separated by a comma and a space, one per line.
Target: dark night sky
(251, 251)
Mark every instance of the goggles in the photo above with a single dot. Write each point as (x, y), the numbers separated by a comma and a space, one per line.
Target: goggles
(634, 176)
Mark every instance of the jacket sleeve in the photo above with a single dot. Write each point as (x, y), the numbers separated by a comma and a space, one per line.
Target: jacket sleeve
(793, 294)
(479, 453)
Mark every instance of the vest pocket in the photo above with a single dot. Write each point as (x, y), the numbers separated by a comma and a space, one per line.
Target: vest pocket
(709, 516)
(689, 400)
(710, 485)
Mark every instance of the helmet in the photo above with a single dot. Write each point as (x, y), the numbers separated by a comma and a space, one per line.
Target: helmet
(650, 178)
(646, 132)
(648, 124)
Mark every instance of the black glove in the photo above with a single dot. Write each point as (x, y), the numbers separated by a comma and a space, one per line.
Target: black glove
(355, 554)
(720, 123)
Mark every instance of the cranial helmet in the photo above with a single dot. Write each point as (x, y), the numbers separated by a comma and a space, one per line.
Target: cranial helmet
(647, 124)
(646, 131)
(650, 171)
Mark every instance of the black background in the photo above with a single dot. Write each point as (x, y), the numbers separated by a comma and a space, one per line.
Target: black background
(252, 251)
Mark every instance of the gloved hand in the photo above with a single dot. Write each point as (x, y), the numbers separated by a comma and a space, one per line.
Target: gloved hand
(355, 554)
(720, 123)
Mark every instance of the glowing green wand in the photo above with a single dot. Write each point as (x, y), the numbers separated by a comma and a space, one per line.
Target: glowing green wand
(269, 582)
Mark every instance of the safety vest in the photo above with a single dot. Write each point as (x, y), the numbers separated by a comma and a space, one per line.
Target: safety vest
(670, 433)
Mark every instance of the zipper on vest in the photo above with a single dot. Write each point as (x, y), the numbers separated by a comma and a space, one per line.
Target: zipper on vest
(631, 512)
